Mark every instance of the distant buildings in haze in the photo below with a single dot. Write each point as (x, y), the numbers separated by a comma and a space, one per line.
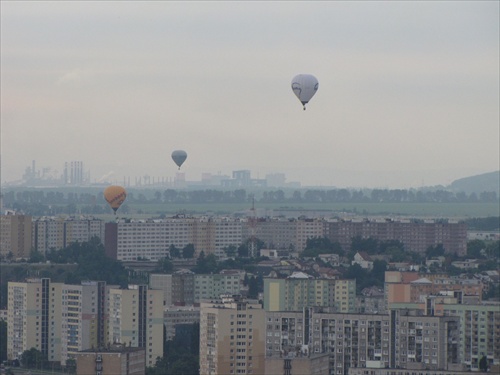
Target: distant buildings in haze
(74, 174)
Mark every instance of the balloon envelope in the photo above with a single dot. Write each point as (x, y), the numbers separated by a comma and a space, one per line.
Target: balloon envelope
(304, 87)
(179, 157)
(115, 196)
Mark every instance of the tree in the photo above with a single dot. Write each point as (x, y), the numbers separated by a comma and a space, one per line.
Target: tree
(188, 251)
(483, 364)
(378, 271)
(174, 251)
(33, 358)
(321, 245)
(36, 257)
(71, 365)
(206, 264)
(474, 248)
(434, 251)
(165, 265)
(230, 251)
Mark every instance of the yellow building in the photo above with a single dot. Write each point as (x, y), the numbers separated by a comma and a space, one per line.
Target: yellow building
(33, 318)
(15, 236)
(135, 319)
(232, 337)
(117, 359)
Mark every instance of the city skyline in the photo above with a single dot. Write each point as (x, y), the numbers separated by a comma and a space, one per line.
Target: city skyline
(408, 91)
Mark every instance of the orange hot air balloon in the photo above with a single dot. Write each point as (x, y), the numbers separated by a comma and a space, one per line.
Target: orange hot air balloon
(115, 196)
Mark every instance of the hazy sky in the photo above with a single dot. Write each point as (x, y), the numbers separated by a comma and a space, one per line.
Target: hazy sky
(408, 91)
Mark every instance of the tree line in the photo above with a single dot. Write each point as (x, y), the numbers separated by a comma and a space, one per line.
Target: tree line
(206, 196)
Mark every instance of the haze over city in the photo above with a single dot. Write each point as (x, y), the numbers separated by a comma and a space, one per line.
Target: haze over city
(408, 91)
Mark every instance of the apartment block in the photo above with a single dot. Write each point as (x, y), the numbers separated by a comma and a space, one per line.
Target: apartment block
(128, 239)
(300, 290)
(416, 235)
(424, 342)
(479, 332)
(350, 340)
(112, 360)
(212, 286)
(15, 236)
(396, 340)
(183, 288)
(232, 337)
(34, 318)
(136, 319)
(83, 318)
(175, 316)
(54, 233)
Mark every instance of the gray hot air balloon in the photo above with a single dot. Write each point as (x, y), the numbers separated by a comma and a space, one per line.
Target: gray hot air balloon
(304, 86)
(179, 157)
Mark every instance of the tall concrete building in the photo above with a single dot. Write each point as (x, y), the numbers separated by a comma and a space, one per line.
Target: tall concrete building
(479, 327)
(34, 318)
(300, 290)
(232, 337)
(416, 235)
(178, 288)
(284, 233)
(129, 240)
(136, 319)
(83, 318)
(176, 316)
(185, 288)
(214, 285)
(15, 235)
(365, 340)
(55, 233)
(350, 339)
(424, 342)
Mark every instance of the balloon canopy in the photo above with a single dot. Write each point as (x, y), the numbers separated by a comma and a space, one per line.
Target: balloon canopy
(115, 196)
(304, 87)
(179, 157)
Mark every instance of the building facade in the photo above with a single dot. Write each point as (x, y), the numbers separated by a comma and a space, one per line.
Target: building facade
(15, 236)
(112, 360)
(300, 290)
(415, 235)
(232, 337)
(55, 233)
(136, 319)
(34, 318)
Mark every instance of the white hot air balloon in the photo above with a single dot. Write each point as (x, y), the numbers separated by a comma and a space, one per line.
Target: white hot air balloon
(304, 86)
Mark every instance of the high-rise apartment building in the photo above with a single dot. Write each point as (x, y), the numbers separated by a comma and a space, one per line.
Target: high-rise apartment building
(34, 318)
(136, 319)
(365, 340)
(300, 290)
(55, 233)
(232, 337)
(15, 236)
(178, 288)
(415, 235)
(83, 318)
(129, 240)
(185, 288)
(176, 316)
(424, 342)
(212, 286)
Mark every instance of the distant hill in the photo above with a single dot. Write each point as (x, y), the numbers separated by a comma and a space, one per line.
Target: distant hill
(489, 182)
